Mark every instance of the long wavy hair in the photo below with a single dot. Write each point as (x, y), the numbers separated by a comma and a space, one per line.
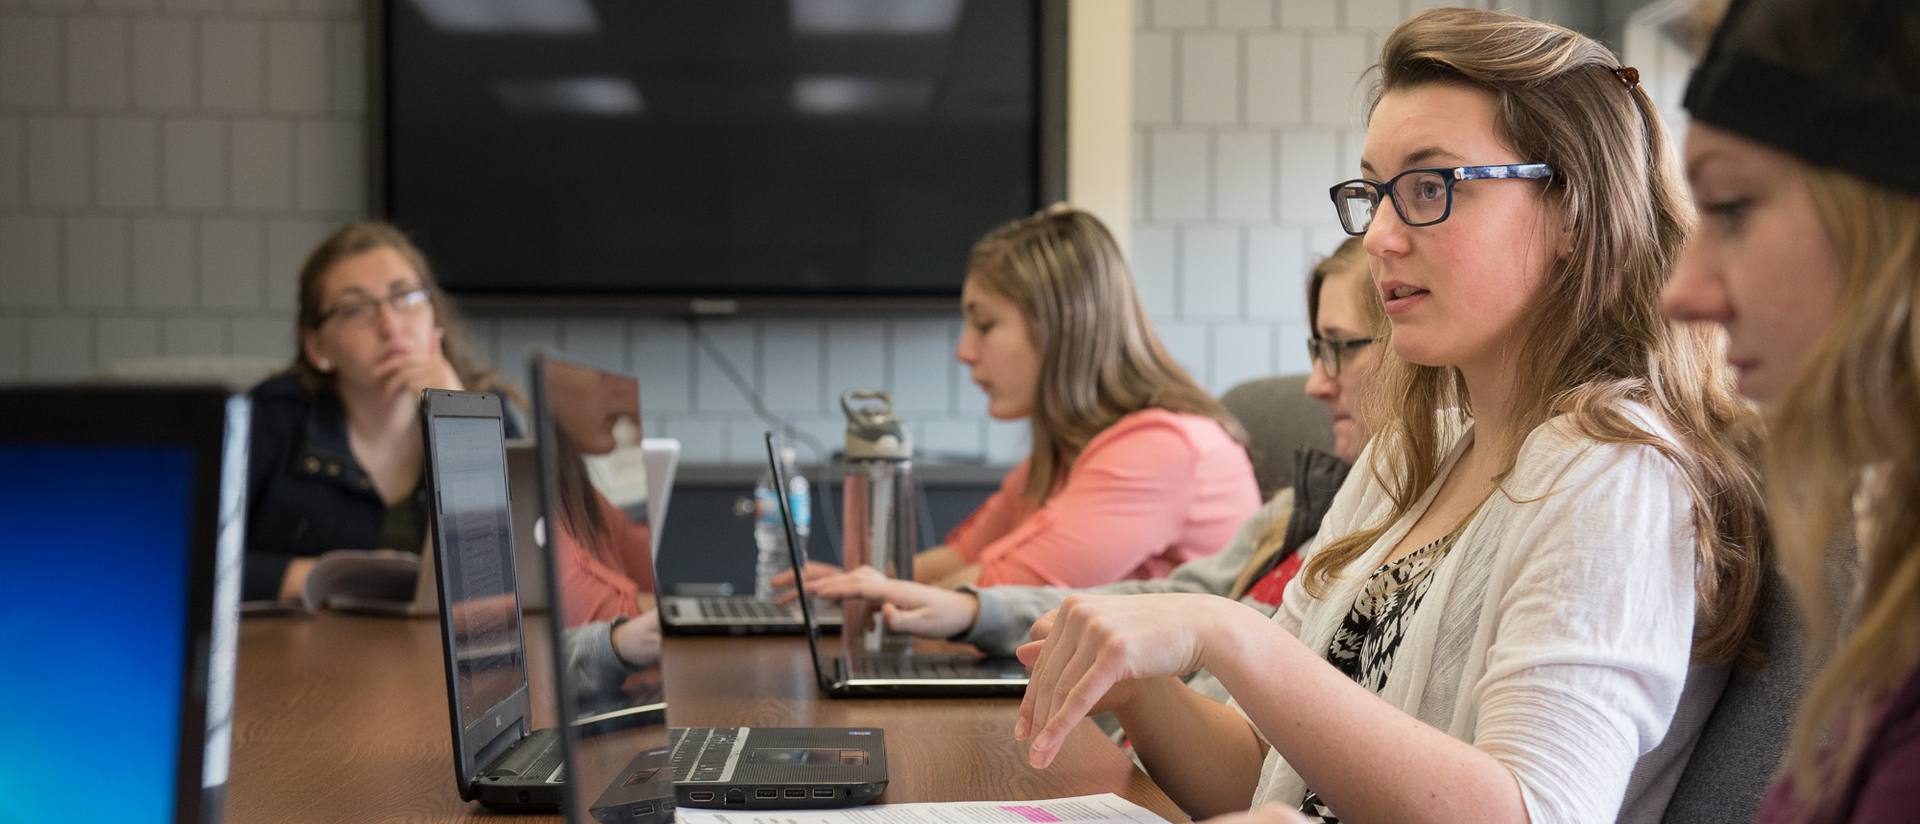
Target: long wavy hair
(1099, 357)
(1593, 340)
(358, 238)
(1843, 439)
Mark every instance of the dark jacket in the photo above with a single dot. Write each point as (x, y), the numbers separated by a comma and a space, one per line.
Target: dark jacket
(305, 492)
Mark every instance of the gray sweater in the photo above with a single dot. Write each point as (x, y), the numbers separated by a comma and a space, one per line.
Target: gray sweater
(1007, 613)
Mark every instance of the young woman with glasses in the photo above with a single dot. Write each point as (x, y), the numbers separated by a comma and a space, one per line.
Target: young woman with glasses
(1518, 607)
(1808, 255)
(335, 458)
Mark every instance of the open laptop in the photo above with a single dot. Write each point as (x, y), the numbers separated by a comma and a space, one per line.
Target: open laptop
(499, 759)
(569, 385)
(905, 673)
(597, 523)
(122, 510)
(523, 484)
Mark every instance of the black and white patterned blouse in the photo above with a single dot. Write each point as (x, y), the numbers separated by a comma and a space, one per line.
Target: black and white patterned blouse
(1364, 644)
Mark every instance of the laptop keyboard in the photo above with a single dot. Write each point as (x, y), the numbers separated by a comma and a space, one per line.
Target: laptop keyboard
(739, 608)
(959, 665)
(701, 753)
(748, 608)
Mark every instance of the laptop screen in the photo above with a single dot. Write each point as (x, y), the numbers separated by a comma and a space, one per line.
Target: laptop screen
(121, 515)
(595, 496)
(98, 604)
(476, 551)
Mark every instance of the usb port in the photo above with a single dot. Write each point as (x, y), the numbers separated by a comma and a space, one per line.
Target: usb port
(700, 795)
(822, 792)
(642, 809)
(796, 793)
(765, 792)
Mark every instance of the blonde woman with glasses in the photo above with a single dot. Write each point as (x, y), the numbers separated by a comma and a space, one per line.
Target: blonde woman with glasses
(1525, 597)
(335, 457)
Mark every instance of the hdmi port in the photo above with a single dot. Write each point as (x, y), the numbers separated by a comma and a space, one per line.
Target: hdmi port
(700, 795)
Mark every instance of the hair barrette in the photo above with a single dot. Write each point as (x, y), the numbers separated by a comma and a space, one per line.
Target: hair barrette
(1628, 75)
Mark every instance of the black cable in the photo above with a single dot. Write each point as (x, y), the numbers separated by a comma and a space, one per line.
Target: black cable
(760, 410)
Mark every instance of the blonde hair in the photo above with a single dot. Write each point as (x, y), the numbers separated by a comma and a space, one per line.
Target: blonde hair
(1600, 341)
(359, 238)
(1099, 357)
(1349, 258)
(1845, 432)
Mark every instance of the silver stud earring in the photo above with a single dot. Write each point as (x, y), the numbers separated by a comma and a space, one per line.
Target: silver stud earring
(323, 365)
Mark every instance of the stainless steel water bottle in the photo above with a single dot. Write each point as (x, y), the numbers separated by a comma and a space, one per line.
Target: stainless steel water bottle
(878, 490)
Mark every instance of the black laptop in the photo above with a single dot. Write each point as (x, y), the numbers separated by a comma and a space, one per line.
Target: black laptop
(564, 384)
(855, 672)
(122, 512)
(593, 502)
(499, 759)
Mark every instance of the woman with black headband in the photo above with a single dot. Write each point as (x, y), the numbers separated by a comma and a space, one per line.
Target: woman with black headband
(1803, 161)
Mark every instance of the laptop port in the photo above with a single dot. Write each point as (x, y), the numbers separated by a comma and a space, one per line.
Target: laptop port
(823, 792)
(793, 792)
(642, 809)
(766, 792)
(700, 795)
(737, 795)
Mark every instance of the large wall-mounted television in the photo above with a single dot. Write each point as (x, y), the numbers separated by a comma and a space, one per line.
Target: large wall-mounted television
(715, 152)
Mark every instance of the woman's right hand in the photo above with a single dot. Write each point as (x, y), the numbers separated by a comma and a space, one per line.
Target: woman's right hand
(816, 571)
(1092, 654)
(919, 609)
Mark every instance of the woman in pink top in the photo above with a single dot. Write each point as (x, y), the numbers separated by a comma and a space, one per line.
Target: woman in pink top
(1134, 470)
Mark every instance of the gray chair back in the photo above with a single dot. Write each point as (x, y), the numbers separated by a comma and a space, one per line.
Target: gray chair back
(1279, 418)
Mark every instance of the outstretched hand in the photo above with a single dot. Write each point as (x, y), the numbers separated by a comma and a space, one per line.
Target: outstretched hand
(918, 609)
(816, 571)
(1088, 655)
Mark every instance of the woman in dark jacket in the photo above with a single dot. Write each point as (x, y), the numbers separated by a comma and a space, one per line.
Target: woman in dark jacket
(336, 453)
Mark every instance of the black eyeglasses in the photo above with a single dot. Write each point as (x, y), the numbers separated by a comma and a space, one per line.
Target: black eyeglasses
(1328, 353)
(1423, 197)
(363, 311)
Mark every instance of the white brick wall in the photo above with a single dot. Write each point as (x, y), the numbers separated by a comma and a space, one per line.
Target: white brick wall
(165, 165)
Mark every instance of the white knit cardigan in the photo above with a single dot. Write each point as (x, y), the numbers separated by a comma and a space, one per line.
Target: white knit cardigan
(1556, 634)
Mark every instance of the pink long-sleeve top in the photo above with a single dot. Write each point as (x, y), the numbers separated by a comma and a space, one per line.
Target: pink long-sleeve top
(1151, 492)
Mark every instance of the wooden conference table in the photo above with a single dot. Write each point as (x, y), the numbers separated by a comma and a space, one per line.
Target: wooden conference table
(343, 718)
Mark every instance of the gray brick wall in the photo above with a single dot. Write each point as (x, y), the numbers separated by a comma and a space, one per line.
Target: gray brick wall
(165, 165)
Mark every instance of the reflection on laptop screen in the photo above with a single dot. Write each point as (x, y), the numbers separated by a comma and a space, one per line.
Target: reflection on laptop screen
(93, 608)
(475, 536)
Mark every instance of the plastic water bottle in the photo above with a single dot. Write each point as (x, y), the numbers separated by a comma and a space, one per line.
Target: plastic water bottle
(769, 534)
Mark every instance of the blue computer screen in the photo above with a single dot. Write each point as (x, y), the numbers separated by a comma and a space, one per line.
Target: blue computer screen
(93, 611)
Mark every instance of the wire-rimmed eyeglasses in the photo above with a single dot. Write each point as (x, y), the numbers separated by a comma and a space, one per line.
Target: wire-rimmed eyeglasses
(363, 311)
(1423, 197)
(1329, 353)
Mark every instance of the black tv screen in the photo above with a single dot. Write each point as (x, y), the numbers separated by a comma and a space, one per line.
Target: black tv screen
(711, 148)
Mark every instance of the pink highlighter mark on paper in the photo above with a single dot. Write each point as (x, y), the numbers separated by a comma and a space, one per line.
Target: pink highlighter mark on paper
(1033, 814)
